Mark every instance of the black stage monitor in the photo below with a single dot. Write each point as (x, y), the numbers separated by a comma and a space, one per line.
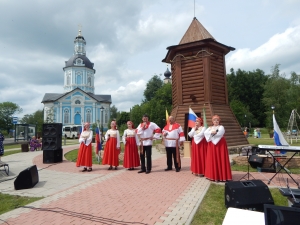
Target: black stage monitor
(281, 215)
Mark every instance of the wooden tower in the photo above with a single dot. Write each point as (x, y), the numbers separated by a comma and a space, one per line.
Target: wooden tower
(199, 80)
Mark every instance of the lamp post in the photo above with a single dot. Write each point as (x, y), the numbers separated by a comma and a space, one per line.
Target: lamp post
(273, 107)
(102, 108)
(272, 133)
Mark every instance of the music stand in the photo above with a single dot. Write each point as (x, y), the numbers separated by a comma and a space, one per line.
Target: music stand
(248, 173)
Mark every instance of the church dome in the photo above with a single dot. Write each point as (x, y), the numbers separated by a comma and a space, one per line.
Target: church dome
(167, 74)
(72, 61)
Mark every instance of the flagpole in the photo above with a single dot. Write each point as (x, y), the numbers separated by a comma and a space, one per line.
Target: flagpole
(187, 125)
(100, 138)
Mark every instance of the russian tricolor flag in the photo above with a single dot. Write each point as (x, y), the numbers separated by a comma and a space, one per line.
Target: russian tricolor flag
(278, 136)
(192, 118)
(98, 141)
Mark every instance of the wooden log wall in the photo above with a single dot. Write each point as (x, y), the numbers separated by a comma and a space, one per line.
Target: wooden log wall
(218, 77)
(202, 80)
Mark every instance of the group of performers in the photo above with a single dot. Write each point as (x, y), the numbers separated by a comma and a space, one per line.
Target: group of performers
(209, 156)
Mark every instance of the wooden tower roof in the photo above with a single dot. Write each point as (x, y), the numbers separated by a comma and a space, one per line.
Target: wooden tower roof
(195, 32)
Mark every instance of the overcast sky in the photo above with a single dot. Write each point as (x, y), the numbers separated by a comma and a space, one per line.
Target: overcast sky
(127, 40)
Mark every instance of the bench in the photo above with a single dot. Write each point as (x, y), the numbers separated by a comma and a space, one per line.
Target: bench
(5, 167)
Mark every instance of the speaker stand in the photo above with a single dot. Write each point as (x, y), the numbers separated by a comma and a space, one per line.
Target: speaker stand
(247, 175)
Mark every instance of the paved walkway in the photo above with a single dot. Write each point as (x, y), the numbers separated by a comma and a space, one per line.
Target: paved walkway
(104, 196)
(109, 196)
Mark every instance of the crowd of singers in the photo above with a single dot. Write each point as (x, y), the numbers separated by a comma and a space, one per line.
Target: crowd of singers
(209, 153)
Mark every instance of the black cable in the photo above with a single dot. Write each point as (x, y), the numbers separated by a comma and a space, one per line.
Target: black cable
(83, 216)
(47, 167)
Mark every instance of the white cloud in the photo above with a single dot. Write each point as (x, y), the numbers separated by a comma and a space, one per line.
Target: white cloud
(126, 41)
(282, 48)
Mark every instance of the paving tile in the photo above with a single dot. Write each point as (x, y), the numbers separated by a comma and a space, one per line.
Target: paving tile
(110, 197)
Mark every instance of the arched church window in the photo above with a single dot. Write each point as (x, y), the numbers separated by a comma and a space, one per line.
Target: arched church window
(77, 102)
(89, 81)
(78, 78)
(66, 116)
(88, 116)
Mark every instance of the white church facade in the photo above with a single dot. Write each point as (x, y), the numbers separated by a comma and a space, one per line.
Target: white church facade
(78, 103)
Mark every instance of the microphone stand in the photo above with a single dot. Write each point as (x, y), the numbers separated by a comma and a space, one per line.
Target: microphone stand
(248, 173)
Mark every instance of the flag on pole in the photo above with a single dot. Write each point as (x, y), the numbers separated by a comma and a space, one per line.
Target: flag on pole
(192, 118)
(167, 117)
(204, 118)
(98, 141)
(278, 136)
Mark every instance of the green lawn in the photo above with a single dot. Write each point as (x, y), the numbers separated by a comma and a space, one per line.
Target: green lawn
(10, 202)
(212, 209)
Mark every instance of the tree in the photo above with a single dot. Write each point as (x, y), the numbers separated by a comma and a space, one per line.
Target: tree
(35, 118)
(7, 110)
(122, 120)
(248, 88)
(152, 86)
(114, 112)
(136, 114)
(276, 94)
(49, 116)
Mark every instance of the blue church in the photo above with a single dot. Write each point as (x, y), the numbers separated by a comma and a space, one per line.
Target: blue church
(78, 103)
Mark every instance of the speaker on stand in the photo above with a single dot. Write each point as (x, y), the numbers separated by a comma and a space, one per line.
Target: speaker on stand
(52, 143)
(248, 173)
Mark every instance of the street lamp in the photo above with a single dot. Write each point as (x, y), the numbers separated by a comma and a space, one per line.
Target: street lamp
(273, 107)
(102, 108)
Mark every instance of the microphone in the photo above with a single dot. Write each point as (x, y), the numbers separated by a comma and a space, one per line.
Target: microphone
(215, 133)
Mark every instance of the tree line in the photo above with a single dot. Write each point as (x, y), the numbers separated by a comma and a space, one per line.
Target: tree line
(251, 95)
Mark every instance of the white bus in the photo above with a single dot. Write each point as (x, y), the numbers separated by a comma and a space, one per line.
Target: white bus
(71, 131)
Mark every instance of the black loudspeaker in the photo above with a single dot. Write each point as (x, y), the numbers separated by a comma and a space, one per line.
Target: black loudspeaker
(52, 156)
(255, 161)
(27, 178)
(52, 136)
(252, 194)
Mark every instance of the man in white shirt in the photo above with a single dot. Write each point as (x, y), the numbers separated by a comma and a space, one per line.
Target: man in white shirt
(173, 137)
(145, 132)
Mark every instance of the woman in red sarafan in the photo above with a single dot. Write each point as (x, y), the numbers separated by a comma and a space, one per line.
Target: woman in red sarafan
(217, 160)
(84, 157)
(131, 141)
(199, 148)
(112, 147)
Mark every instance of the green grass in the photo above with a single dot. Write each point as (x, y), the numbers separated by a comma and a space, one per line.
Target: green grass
(10, 202)
(212, 209)
(6, 153)
(12, 146)
(266, 140)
